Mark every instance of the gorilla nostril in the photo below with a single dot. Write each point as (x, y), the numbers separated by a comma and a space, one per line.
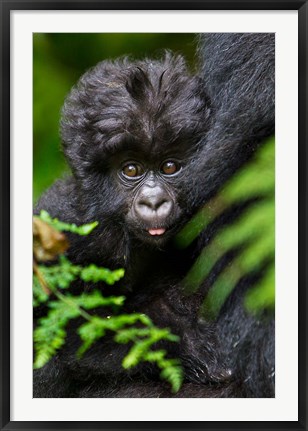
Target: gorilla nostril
(153, 207)
(164, 209)
(153, 203)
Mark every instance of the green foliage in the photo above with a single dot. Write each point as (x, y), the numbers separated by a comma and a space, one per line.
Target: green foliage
(85, 229)
(144, 339)
(255, 179)
(136, 329)
(251, 236)
(50, 333)
(61, 276)
(263, 293)
(95, 274)
(39, 295)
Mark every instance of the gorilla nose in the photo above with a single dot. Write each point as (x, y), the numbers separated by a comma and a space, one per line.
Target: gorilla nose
(154, 204)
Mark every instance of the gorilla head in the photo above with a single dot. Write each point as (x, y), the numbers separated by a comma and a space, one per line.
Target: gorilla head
(129, 130)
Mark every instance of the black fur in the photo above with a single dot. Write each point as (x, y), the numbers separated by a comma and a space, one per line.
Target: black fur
(239, 74)
(157, 111)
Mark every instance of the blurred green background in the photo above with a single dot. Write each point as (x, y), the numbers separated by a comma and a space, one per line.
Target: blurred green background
(59, 59)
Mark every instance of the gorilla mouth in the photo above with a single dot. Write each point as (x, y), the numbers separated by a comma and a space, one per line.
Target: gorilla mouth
(157, 231)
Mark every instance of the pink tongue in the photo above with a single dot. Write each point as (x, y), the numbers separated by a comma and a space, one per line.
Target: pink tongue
(160, 231)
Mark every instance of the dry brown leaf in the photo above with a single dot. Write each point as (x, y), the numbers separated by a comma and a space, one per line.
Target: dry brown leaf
(48, 243)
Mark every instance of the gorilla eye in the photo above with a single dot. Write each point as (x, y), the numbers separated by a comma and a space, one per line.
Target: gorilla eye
(132, 170)
(170, 167)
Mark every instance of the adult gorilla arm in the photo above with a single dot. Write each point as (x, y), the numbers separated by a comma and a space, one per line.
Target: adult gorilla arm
(239, 74)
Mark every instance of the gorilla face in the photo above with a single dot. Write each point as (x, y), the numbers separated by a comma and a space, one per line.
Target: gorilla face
(152, 193)
(129, 131)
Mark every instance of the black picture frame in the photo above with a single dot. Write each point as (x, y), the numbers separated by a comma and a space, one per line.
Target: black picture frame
(9, 5)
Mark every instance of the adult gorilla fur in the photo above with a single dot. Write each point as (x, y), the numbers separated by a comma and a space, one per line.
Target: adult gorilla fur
(148, 144)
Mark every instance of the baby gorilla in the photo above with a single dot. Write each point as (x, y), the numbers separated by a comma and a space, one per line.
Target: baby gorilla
(130, 132)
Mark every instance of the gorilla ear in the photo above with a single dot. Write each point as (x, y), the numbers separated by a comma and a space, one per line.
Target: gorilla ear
(138, 84)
